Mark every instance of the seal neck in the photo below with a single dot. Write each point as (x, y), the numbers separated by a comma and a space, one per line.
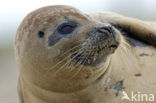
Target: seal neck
(48, 96)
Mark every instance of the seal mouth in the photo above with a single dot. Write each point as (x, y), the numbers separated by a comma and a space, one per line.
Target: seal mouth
(111, 47)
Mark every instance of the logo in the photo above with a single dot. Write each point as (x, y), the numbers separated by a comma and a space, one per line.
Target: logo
(138, 96)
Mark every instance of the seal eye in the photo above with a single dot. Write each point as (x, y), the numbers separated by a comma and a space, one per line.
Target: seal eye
(67, 28)
(40, 34)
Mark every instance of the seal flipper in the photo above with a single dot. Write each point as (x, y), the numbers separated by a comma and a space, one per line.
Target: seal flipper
(137, 29)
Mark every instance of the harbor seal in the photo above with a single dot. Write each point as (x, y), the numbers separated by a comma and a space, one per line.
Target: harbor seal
(66, 56)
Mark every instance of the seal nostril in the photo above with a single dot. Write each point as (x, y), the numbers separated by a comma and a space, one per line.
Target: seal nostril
(113, 46)
(105, 28)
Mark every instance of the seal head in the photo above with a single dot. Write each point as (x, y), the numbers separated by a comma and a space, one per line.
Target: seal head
(60, 43)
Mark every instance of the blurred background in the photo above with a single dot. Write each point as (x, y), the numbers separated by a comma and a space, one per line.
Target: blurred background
(12, 13)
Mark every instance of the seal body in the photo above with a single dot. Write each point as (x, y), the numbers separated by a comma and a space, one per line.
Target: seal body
(64, 56)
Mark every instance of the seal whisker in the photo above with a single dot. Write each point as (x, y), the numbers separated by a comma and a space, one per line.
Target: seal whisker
(132, 55)
(66, 63)
(63, 59)
(123, 47)
(79, 69)
(82, 62)
(77, 63)
(124, 42)
(75, 57)
(73, 47)
(68, 52)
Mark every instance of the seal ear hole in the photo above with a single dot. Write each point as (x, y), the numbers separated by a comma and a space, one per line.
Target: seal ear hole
(40, 34)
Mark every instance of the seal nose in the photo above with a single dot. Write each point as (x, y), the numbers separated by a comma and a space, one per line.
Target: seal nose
(108, 30)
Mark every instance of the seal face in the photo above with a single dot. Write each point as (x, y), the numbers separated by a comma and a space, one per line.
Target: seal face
(99, 44)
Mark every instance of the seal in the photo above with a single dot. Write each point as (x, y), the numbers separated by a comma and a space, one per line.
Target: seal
(66, 56)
